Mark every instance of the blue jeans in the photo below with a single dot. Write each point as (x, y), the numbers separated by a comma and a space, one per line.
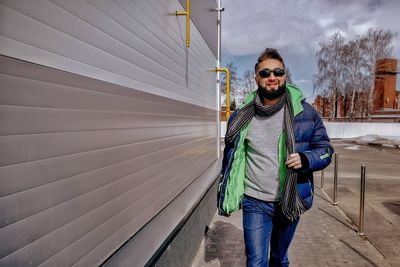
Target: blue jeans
(264, 225)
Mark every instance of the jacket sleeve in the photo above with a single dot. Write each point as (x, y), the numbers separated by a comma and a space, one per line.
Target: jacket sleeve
(228, 146)
(320, 153)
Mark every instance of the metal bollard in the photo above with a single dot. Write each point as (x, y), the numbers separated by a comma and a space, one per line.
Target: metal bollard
(335, 178)
(362, 201)
(322, 179)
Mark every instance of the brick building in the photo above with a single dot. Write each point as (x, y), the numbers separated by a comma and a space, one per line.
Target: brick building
(385, 96)
(323, 106)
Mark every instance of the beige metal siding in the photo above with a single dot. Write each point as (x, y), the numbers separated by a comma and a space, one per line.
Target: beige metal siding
(135, 43)
(204, 16)
(105, 117)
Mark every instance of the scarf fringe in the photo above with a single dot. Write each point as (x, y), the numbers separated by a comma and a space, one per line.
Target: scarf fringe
(292, 205)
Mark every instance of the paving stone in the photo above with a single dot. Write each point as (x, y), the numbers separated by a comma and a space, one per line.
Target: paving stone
(324, 237)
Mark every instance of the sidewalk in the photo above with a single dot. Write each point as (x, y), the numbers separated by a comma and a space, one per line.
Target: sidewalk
(324, 237)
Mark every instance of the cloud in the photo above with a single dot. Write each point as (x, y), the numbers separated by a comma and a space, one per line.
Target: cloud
(251, 25)
(296, 27)
(301, 81)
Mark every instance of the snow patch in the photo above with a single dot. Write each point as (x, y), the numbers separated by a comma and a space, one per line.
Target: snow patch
(377, 140)
(355, 147)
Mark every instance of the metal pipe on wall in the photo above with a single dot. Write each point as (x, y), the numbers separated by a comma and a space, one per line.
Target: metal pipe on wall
(187, 14)
(219, 10)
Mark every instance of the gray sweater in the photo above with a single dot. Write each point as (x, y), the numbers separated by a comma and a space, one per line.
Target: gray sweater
(262, 179)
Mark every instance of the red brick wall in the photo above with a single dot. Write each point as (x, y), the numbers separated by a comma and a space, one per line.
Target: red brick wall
(385, 84)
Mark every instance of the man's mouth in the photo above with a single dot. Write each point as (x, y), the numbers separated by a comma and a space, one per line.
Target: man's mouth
(272, 84)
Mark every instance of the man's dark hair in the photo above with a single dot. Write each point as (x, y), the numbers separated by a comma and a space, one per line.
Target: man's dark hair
(269, 53)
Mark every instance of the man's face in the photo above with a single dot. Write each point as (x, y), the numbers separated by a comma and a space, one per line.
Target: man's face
(272, 82)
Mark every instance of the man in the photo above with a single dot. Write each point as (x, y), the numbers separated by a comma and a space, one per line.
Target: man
(273, 144)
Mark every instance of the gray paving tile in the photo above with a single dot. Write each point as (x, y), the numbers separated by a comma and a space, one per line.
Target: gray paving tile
(324, 238)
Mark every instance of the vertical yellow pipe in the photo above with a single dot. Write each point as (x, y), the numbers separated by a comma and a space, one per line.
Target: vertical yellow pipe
(228, 90)
(187, 14)
(228, 93)
(187, 23)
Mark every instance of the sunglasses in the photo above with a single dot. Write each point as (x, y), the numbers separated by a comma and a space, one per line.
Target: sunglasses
(265, 73)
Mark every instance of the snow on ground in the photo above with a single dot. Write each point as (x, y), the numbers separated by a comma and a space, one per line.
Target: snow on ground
(373, 139)
(355, 147)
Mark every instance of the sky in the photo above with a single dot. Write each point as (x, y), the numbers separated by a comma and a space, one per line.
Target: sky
(296, 27)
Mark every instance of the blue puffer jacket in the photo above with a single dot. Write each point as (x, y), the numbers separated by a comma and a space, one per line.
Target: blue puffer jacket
(311, 140)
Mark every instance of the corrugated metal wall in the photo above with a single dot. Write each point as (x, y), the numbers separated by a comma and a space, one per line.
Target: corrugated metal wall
(135, 43)
(105, 117)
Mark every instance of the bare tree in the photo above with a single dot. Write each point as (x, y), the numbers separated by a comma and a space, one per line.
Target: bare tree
(330, 65)
(378, 45)
(235, 82)
(234, 78)
(355, 65)
(349, 69)
(249, 84)
(288, 76)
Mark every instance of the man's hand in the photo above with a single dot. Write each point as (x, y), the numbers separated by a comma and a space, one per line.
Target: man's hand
(294, 161)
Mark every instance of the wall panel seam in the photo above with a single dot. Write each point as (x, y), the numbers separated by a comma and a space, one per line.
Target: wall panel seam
(75, 153)
(136, 157)
(85, 213)
(161, 114)
(85, 89)
(103, 51)
(128, 207)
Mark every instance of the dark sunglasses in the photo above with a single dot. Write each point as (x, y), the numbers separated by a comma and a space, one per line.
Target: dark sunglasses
(265, 73)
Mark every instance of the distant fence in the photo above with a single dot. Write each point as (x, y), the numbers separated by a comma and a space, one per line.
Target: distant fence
(223, 129)
(352, 129)
(355, 129)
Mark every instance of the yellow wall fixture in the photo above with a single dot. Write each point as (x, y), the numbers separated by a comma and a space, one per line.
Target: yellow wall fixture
(187, 14)
(228, 90)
